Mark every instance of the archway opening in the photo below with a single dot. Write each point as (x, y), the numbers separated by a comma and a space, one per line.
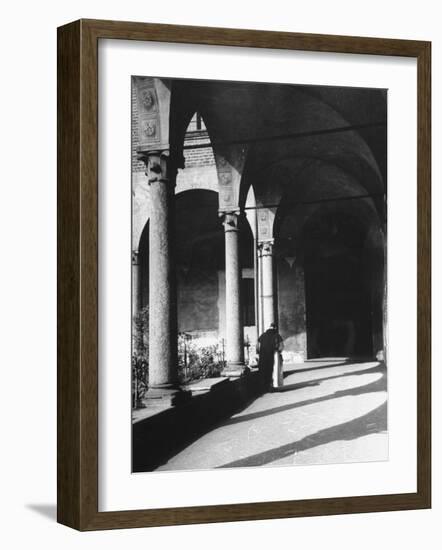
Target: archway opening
(199, 260)
(330, 263)
(338, 293)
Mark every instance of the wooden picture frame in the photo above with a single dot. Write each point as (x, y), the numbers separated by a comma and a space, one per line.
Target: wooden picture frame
(78, 274)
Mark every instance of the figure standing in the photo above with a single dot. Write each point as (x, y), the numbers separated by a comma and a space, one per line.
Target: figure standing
(270, 345)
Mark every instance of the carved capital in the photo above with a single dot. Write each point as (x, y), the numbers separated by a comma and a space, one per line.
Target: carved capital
(265, 248)
(230, 220)
(160, 166)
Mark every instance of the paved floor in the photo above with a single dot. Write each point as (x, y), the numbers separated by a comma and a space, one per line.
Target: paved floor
(328, 411)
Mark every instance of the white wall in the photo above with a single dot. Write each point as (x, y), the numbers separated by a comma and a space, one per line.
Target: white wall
(27, 299)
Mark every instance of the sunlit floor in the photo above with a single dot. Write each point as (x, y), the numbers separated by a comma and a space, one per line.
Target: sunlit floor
(329, 411)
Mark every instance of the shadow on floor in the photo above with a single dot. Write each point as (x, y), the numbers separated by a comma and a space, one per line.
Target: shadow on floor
(373, 422)
(159, 437)
(317, 381)
(376, 386)
(329, 365)
(46, 510)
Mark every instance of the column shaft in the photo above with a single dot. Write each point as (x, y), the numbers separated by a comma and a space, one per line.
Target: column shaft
(163, 355)
(261, 327)
(135, 285)
(257, 259)
(267, 296)
(234, 325)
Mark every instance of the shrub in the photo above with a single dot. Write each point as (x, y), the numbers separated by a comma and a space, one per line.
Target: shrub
(140, 357)
(140, 377)
(196, 362)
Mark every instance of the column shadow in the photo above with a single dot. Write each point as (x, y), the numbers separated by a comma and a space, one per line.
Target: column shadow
(376, 386)
(323, 367)
(373, 422)
(317, 381)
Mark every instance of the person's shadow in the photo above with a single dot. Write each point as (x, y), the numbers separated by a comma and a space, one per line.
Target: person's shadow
(48, 511)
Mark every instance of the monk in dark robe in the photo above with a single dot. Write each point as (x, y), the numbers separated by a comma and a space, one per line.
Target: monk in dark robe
(268, 343)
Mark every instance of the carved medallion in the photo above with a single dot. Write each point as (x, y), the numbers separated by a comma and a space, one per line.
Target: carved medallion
(222, 162)
(150, 128)
(147, 99)
(225, 197)
(225, 178)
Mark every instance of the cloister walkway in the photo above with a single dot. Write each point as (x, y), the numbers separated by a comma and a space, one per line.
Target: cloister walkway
(328, 411)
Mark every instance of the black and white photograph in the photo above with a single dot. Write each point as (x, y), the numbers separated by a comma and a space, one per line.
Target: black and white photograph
(259, 274)
(220, 275)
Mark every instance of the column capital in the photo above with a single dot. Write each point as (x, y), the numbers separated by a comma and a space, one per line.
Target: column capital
(161, 166)
(265, 248)
(135, 257)
(230, 220)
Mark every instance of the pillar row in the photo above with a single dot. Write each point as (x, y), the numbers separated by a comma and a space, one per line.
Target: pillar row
(163, 335)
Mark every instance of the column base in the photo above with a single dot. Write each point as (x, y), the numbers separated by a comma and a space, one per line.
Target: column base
(235, 369)
(165, 395)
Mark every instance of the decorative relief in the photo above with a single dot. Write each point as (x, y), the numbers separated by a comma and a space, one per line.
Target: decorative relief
(264, 231)
(150, 128)
(148, 101)
(224, 170)
(225, 196)
(225, 178)
(222, 162)
(148, 117)
(265, 223)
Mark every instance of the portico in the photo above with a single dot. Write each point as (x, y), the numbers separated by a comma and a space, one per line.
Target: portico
(294, 179)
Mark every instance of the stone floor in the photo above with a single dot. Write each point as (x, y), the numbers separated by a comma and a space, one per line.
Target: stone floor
(328, 411)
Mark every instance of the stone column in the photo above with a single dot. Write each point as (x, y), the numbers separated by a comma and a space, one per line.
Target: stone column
(135, 300)
(234, 325)
(267, 296)
(135, 284)
(163, 354)
(257, 267)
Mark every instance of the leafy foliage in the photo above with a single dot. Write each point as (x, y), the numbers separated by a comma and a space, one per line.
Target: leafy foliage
(196, 362)
(140, 357)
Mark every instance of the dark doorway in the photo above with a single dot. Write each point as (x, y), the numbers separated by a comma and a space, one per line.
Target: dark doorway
(338, 288)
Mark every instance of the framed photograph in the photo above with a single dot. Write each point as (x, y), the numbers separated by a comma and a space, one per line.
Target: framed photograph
(243, 275)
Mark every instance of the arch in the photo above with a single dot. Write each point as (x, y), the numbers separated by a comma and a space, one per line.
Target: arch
(200, 261)
(314, 125)
(322, 186)
(331, 257)
(199, 171)
(339, 279)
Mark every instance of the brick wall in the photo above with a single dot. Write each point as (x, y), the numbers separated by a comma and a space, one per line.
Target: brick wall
(202, 156)
(137, 166)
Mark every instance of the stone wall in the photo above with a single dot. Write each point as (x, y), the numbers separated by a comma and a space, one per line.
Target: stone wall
(291, 309)
(198, 305)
